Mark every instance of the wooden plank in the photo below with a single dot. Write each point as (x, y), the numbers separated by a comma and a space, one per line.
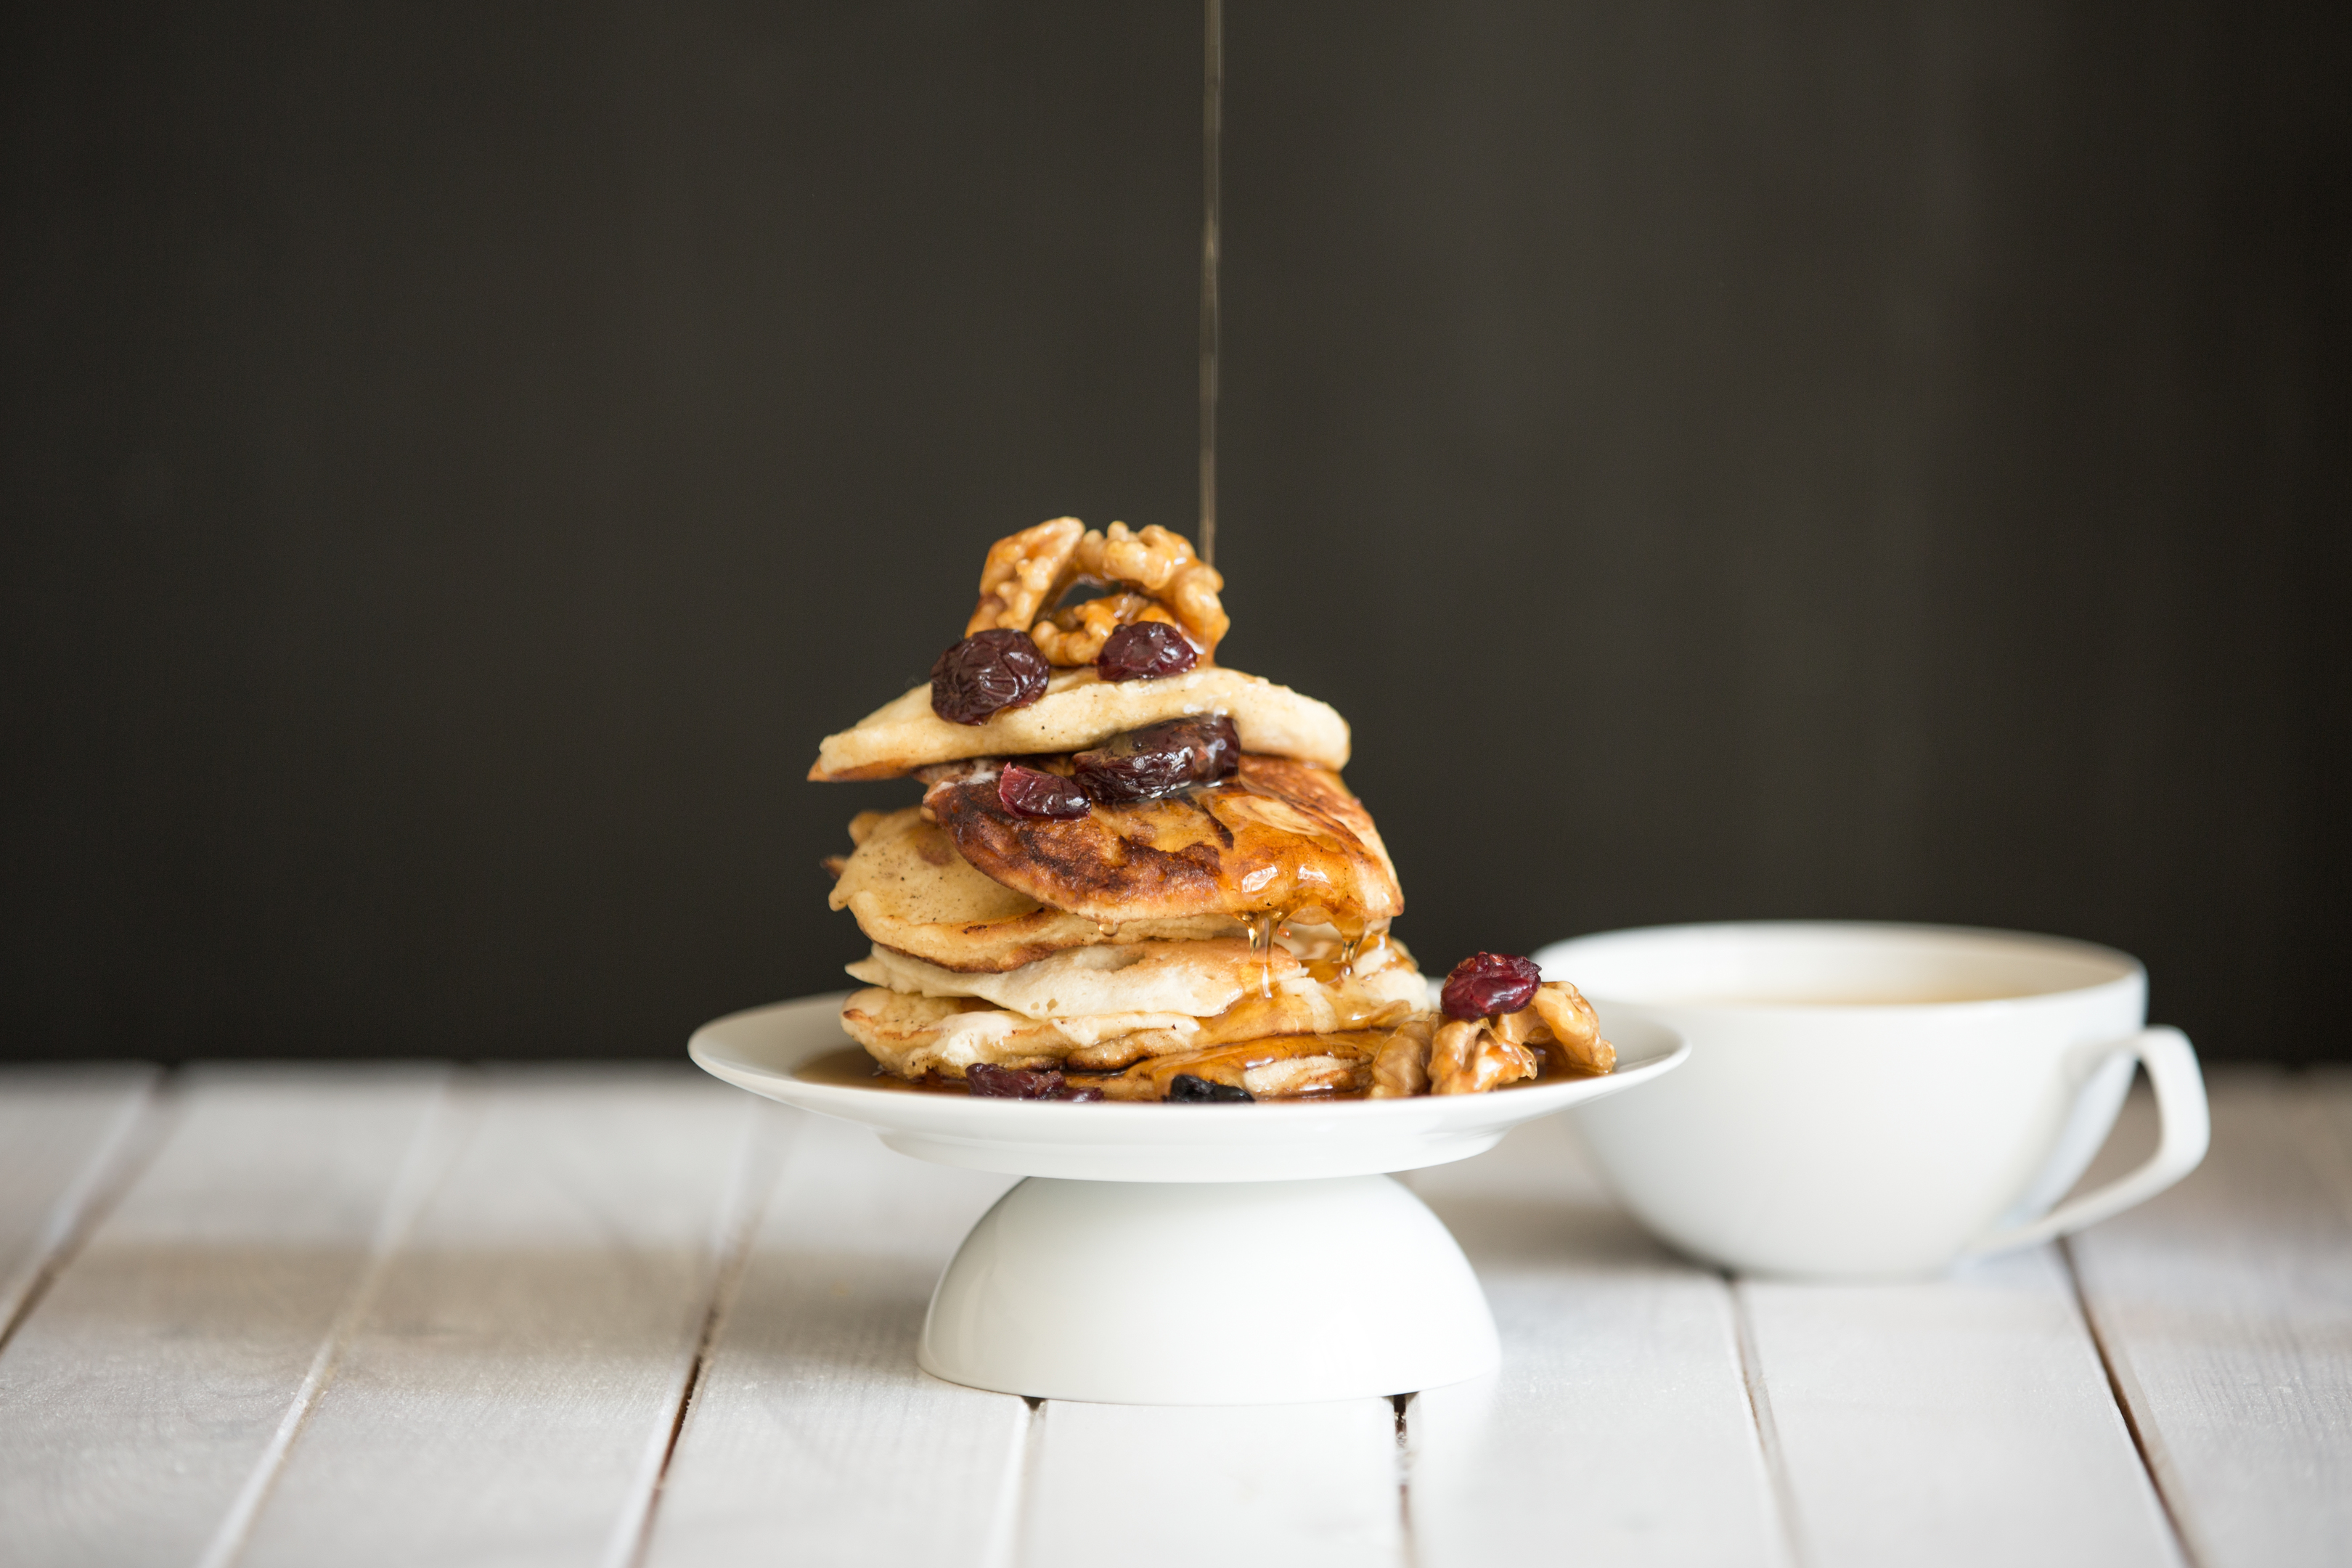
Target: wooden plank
(812, 1436)
(2225, 1310)
(1962, 1421)
(158, 1368)
(508, 1394)
(62, 1131)
(1620, 1427)
(1286, 1485)
(2318, 1108)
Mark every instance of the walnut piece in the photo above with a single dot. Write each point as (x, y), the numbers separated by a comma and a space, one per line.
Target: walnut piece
(1466, 1057)
(1402, 1067)
(1025, 573)
(1075, 636)
(1192, 595)
(1519, 1029)
(1450, 1051)
(1148, 560)
(1162, 565)
(1569, 1020)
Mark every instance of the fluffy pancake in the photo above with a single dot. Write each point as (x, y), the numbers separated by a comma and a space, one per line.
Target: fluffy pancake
(910, 890)
(1080, 709)
(1183, 979)
(1280, 838)
(911, 1034)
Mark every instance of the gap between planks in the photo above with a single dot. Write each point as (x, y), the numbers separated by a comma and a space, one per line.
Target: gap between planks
(1008, 1541)
(2222, 1308)
(810, 1410)
(566, 1215)
(1402, 1403)
(430, 1148)
(1759, 1415)
(2124, 1405)
(119, 1164)
(124, 1141)
(748, 1190)
(1621, 1426)
(150, 1377)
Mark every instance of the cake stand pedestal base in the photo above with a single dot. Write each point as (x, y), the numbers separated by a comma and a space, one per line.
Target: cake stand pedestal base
(1208, 1293)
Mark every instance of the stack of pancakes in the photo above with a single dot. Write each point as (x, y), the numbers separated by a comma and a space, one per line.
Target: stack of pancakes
(1230, 940)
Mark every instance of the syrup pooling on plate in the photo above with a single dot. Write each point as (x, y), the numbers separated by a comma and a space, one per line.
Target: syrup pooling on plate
(1139, 873)
(851, 1067)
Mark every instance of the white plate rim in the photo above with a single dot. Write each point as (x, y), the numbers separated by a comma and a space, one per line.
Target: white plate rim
(1017, 1121)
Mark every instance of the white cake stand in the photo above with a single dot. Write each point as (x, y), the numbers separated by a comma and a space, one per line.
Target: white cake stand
(1167, 1253)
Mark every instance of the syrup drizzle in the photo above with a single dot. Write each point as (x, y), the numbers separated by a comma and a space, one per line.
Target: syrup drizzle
(1213, 117)
(1264, 842)
(1260, 933)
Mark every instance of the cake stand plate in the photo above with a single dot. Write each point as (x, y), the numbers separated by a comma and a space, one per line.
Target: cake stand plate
(1187, 1254)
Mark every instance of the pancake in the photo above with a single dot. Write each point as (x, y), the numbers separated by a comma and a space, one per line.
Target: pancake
(1235, 934)
(1182, 979)
(911, 1034)
(1081, 710)
(910, 890)
(1280, 838)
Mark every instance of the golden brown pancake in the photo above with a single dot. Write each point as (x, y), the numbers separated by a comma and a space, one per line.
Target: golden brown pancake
(911, 892)
(911, 1034)
(1279, 837)
(1175, 981)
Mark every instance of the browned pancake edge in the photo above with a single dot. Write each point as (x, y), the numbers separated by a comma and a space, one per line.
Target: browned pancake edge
(1280, 836)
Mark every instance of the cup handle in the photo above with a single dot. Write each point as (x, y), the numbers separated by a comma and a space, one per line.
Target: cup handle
(2171, 1065)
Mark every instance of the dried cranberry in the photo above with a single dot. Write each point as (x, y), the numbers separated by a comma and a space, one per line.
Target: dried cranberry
(1186, 1089)
(1160, 759)
(1077, 1094)
(985, 674)
(1026, 791)
(1143, 650)
(987, 1082)
(1488, 984)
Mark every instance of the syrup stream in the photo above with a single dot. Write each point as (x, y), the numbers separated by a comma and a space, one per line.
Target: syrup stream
(1261, 932)
(1212, 117)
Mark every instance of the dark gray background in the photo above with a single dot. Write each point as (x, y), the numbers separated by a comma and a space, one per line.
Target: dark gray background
(1876, 461)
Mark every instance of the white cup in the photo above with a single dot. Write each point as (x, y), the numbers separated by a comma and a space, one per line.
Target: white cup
(1876, 1100)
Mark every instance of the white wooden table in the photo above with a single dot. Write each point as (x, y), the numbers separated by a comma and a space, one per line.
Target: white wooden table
(409, 1314)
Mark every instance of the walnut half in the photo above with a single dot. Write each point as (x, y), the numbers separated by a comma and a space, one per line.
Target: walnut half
(1467, 1057)
(1162, 565)
(1075, 636)
(1401, 1069)
(1025, 573)
(1568, 1018)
